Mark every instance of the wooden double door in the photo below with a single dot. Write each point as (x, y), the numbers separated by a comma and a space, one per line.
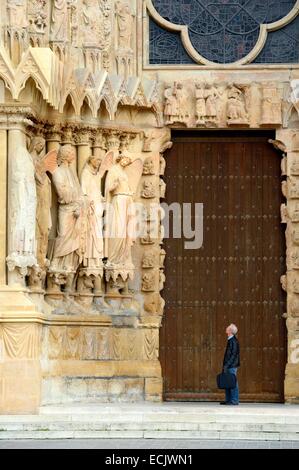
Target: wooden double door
(234, 277)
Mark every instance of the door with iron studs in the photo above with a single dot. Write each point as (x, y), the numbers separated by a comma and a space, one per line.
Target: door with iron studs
(234, 277)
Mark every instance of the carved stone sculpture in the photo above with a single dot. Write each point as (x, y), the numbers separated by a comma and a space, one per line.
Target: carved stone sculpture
(125, 22)
(171, 105)
(91, 188)
(162, 279)
(283, 281)
(295, 142)
(284, 214)
(295, 259)
(211, 95)
(59, 20)
(236, 106)
(17, 13)
(182, 104)
(148, 167)
(121, 185)
(162, 257)
(148, 190)
(147, 239)
(200, 103)
(38, 16)
(162, 187)
(148, 137)
(148, 282)
(92, 263)
(295, 308)
(271, 105)
(70, 243)
(42, 164)
(284, 166)
(22, 211)
(154, 304)
(148, 260)
(293, 189)
(295, 168)
(37, 277)
(162, 165)
(295, 214)
(295, 236)
(92, 22)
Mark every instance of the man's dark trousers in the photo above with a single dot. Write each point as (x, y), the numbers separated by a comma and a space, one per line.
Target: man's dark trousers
(231, 362)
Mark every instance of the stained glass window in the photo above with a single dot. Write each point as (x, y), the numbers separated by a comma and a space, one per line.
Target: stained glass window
(224, 31)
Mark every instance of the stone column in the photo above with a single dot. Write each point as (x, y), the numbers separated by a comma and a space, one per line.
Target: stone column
(84, 150)
(20, 321)
(3, 198)
(98, 145)
(53, 138)
(112, 140)
(68, 138)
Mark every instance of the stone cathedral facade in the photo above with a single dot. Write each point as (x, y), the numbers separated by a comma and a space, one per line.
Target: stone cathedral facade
(91, 94)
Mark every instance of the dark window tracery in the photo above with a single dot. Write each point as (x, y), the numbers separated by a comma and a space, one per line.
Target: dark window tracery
(224, 31)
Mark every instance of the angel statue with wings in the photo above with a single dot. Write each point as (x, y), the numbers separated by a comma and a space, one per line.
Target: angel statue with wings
(120, 187)
(43, 164)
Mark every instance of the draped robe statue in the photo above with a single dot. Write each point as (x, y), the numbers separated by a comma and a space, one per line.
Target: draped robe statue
(59, 20)
(125, 21)
(92, 21)
(22, 209)
(91, 188)
(18, 13)
(121, 184)
(69, 245)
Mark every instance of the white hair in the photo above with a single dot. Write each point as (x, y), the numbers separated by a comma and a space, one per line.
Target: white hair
(233, 329)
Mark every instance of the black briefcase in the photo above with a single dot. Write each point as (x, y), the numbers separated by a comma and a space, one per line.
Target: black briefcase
(226, 380)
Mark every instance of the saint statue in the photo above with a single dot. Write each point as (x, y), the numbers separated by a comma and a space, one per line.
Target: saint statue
(200, 103)
(92, 20)
(121, 185)
(91, 188)
(69, 245)
(171, 105)
(59, 20)
(125, 21)
(236, 108)
(18, 13)
(211, 96)
(22, 209)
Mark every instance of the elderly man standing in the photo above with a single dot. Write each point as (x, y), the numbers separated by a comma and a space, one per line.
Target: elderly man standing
(231, 362)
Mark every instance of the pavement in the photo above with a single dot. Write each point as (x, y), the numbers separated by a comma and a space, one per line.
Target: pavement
(173, 444)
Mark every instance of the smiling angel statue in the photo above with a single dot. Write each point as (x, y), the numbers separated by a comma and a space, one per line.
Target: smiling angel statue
(120, 187)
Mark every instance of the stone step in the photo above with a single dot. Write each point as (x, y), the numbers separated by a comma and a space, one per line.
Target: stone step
(74, 425)
(163, 421)
(224, 435)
